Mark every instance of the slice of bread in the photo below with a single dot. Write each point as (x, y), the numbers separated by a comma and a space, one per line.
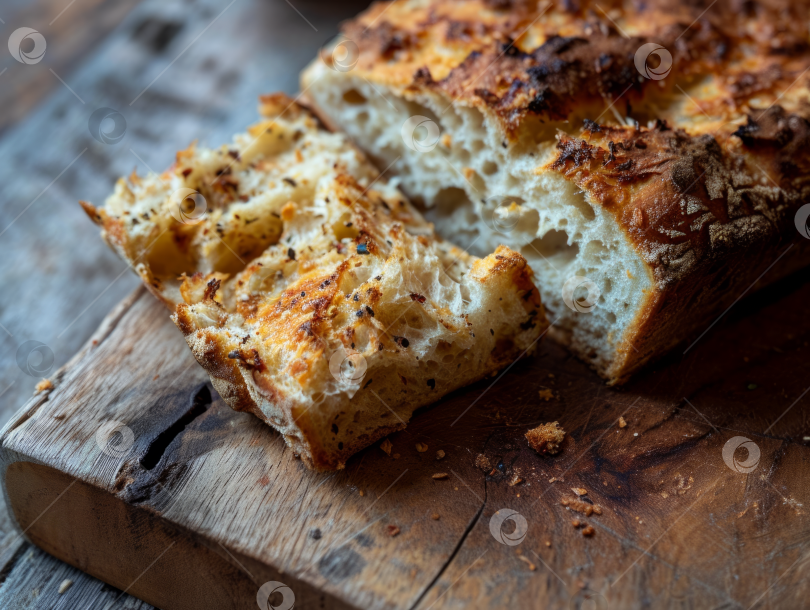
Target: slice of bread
(310, 289)
(649, 164)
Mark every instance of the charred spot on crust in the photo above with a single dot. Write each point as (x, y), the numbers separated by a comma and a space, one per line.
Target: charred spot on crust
(530, 323)
(211, 289)
(422, 77)
(306, 328)
(773, 128)
(577, 151)
(590, 125)
(250, 359)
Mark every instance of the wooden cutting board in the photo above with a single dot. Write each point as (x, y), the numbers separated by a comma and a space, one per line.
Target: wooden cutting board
(193, 505)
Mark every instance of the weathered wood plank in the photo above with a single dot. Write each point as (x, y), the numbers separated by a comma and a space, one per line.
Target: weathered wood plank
(677, 522)
(36, 578)
(71, 31)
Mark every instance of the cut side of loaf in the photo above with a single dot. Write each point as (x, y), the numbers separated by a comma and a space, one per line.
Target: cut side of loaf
(648, 161)
(312, 292)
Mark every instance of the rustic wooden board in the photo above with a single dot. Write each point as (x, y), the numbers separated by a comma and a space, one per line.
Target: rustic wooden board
(208, 504)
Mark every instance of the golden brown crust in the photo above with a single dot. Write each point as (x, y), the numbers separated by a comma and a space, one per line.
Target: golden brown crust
(541, 59)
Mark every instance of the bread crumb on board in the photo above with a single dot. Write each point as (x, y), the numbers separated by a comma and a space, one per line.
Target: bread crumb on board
(580, 491)
(43, 385)
(392, 530)
(440, 454)
(66, 584)
(546, 438)
(546, 394)
(622, 422)
(581, 507)
(482, 462)
(421, 447)
(440, 475)
(587, 530)
(528, 562)
(435, 516)
(386, 446)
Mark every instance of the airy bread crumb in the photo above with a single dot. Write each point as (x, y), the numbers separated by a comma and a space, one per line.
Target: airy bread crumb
(482, 462)
(546, 394)
(43, 385)
(546, 438)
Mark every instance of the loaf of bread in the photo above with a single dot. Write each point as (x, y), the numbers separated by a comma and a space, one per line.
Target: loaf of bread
(650, 160)
(310, 289)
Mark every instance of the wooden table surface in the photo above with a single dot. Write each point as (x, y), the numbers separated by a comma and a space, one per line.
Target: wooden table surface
(177, 71)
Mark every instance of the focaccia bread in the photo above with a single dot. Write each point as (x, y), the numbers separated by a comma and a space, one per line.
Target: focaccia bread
(311, 291)
(647, 158)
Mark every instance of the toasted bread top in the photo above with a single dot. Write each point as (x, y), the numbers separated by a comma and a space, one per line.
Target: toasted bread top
(546, 60)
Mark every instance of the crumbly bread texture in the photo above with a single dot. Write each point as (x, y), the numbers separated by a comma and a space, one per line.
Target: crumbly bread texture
(550, 127)
(546, 438)
(310, 289)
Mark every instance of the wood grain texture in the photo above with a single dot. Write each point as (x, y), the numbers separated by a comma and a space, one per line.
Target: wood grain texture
(36, 578)
(71, 31)
(678, 525)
